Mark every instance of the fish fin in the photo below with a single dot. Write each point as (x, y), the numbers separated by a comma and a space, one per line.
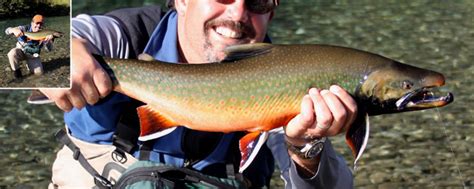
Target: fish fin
(152, 122)
(37, 97)
(357, 137)
(145, 57)
(237, 52)
(156, 134)
(249, 146)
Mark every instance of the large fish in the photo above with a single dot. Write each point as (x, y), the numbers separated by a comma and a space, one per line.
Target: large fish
(259, 87)
(41, 35)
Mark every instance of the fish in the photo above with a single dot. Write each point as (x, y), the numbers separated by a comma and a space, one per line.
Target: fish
(41, 35)
(259, 87)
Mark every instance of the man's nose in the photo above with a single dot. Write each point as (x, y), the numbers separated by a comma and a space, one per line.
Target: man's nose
(238, 11)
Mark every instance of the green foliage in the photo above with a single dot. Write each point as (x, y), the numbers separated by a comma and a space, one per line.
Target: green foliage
(19, 9)
(103, 6)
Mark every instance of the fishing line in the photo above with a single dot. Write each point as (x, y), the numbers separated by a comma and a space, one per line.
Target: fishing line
(456, 163)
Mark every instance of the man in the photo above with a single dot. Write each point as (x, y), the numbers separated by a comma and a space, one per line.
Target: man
(27, 49)
(192, 32)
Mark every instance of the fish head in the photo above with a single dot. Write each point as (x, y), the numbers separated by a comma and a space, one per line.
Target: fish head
(397, 87)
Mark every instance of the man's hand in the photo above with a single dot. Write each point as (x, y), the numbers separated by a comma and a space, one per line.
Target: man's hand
(15, 31)
(48, 38)
(323, 113)
(89, 82)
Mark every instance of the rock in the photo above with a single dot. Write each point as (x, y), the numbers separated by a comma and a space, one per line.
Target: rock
(379, 177)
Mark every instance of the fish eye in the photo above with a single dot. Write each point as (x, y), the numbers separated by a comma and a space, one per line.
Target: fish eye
(407, 84)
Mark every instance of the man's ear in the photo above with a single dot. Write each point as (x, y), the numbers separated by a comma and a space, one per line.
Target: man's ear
(180, 6)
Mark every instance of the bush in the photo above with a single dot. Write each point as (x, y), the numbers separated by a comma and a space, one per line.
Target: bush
(14, 9)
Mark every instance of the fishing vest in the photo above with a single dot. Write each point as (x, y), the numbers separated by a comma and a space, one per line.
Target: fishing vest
(208, 152)
(29, 46)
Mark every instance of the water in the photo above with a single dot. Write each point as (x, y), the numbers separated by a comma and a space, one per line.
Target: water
(416, 149)
(56, 64)
(422, 149)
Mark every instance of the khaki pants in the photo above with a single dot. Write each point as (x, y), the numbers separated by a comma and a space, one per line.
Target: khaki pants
(68, 172)
(16, 55)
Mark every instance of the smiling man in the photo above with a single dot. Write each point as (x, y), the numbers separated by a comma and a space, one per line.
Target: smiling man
(209, 27)
(27, 49)
(191, 32)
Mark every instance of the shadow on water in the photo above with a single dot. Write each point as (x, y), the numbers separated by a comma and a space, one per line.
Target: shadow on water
(55, 64)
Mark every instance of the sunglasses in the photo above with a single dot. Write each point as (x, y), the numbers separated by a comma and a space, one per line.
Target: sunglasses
(261, 6)
(39, 23)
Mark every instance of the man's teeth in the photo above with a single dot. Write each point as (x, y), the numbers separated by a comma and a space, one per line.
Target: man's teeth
(228, 32)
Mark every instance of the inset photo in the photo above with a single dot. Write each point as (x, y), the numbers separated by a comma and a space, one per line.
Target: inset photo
(35, 48)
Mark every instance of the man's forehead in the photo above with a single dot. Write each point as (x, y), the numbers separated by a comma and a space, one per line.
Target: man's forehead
(170, 3)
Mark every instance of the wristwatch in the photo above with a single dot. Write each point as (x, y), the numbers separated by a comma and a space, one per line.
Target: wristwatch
(309, 150)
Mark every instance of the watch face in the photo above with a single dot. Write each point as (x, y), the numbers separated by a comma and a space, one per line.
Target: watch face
(315, 150)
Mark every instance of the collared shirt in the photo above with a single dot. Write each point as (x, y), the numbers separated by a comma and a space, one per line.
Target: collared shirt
(97, 123)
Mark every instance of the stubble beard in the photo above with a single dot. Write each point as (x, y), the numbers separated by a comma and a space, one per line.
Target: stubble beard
(215, 54)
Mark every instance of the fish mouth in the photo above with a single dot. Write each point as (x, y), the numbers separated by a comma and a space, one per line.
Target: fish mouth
(423, 98)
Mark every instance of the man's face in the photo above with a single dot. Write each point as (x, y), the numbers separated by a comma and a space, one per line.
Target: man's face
(36, 26)
(209, 26)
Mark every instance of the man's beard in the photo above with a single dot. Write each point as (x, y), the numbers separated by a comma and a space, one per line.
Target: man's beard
(210, 52)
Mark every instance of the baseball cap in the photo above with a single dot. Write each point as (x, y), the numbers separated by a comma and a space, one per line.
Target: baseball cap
(38, 18)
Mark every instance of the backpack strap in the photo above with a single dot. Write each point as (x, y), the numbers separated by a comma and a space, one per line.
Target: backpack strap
(126, 134)
(99, 180)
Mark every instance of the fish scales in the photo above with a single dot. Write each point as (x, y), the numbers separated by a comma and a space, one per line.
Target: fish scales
(41, 35)
(257, 91)
(263, 87)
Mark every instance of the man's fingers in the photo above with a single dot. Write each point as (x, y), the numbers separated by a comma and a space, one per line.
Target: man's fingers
(75, 97)
(103, 82)
(348, 102)
(302, 121)
(338, 111)
(90, 93)
(59, 97)
(324, 117)
(64, 104)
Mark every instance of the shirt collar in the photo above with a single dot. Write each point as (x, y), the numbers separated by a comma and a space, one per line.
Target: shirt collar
(163, 43)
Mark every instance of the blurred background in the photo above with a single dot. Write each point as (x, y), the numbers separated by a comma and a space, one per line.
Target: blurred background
(424, 149)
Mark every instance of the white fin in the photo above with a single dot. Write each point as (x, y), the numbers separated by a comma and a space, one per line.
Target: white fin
(156, 135)
(364, 143)
(260, 141)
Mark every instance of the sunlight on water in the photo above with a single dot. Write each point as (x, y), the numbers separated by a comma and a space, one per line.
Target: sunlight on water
(448, 143)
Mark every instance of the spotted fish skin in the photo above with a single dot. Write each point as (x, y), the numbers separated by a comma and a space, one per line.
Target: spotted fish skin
(41, 35)
(257, 93)
(260, 87)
